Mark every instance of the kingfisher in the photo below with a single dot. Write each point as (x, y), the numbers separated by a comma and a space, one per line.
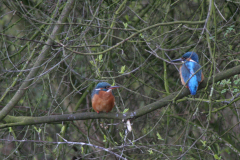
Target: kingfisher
(102, 97)
(189, 71)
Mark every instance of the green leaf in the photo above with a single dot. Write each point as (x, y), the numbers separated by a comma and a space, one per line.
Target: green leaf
(92, 63)
(125, 110)
(38, 130)
(125, 25)
(127, 17)
(150, 151)
(100, 57)
(10, 129)
(235, 82)
(211, 37)
(105, 138)
(141, 35)
(223, 91)
(62, 129)
(121, 135)
(216, 156)
(82, 149)
(159, 136)
(229, 82)
(235, 90)
(227, 31)
(21, 101)
(35, 128)
(204, 143)
(122, 69)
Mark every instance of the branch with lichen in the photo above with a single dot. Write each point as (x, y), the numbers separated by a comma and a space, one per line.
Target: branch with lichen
(25, 120)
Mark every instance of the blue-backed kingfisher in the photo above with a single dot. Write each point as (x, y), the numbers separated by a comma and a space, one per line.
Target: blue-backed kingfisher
(190, 69)
(102, 97)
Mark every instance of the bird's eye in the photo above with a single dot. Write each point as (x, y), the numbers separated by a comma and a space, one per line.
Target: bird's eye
(183, 58)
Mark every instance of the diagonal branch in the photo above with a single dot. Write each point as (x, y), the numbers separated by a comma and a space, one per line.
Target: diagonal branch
(137, 33)
(24, 120)
(56, 30)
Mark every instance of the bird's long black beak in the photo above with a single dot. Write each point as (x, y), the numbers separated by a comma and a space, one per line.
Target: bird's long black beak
(177, 60)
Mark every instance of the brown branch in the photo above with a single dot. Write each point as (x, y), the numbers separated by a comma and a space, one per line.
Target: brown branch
(24, 120)
(20, 92)
(137, 33)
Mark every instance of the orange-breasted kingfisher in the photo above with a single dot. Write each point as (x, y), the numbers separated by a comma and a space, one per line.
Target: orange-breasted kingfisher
(189, 71)
(102, 97)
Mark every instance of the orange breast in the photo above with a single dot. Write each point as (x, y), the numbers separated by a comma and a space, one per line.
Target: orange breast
(180, 72)
(103, 102)
(202, 77)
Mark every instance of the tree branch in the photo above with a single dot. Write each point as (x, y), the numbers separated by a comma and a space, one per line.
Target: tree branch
(24, 120)
(137, 33)
(20, 92)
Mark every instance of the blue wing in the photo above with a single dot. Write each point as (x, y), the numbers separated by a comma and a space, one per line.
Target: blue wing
(184, 73)
(199, 73)
(188, 69)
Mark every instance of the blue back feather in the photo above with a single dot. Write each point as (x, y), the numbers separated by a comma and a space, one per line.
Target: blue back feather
(187, 70)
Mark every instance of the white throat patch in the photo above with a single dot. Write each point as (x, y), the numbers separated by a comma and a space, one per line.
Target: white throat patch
(109, 90)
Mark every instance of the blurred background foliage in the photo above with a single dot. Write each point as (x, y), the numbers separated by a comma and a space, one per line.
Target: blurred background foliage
(95, 45)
